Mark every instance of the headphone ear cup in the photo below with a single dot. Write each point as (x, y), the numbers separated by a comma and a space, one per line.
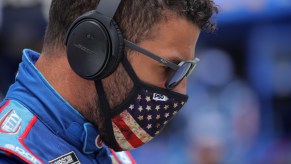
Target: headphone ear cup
(118, 50)
(94, 46)
(88, 45)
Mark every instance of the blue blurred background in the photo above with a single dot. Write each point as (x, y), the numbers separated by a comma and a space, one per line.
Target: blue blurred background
(239, 109)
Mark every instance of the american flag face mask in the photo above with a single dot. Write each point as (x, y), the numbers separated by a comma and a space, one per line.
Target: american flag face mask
(142, 116)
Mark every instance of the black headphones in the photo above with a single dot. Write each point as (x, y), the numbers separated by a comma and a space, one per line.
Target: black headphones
(94, 42)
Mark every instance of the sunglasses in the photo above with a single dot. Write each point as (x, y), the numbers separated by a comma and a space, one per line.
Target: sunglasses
(180, 71)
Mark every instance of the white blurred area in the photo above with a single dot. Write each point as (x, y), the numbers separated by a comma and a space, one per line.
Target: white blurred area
(226, 114)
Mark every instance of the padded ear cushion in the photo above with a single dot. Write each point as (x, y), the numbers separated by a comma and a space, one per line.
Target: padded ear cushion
(94, 46)
(87, 48)
(115, 60)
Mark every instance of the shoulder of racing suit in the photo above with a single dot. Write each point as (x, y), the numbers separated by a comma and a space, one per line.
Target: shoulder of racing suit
(15, 123)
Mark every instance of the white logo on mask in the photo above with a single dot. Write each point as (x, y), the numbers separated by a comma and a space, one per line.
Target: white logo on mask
(160, 97)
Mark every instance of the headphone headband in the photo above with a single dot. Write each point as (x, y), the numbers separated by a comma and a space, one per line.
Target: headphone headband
(108, 7)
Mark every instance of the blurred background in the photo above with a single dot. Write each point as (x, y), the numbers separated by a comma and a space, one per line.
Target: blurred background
(239, 109)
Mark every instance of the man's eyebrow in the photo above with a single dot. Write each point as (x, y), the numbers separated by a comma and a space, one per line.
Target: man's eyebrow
(176, 59)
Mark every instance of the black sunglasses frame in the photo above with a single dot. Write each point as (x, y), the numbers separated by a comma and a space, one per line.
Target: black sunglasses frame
(169, 64)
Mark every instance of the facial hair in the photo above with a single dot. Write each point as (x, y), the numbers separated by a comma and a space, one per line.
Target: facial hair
(117, 88)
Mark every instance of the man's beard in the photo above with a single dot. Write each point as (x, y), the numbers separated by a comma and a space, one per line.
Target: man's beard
(117, 88)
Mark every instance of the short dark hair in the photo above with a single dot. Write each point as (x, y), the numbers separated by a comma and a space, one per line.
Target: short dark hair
(134, 17)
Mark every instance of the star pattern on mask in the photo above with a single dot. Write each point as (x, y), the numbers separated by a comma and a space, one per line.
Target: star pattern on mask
(148, 108)
(157, 132)
(148, 98)
(131, 107)
(158, 125)
(140, 117)
(139, 97)
(175, 105)
(158, 107)
(166, 107)
(167, 115)
(140, 108)
(174, 113)
(158, 117)
(149, 117)
(152, 115)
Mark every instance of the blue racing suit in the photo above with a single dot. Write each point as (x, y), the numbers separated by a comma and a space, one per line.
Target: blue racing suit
(38, 126)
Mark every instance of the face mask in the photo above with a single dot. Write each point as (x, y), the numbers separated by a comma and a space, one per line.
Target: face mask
(141, 116)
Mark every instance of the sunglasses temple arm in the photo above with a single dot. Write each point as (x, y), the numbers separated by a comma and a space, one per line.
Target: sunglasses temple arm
(133, 46)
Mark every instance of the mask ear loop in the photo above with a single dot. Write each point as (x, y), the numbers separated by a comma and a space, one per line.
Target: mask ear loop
(105, 109)
(128, 68)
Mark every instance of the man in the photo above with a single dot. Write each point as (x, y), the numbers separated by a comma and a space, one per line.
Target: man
(95, 81)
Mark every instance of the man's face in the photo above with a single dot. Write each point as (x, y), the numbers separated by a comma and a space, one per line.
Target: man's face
(173, 40)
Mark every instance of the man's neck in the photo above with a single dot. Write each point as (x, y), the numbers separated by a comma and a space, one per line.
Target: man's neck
(74, 89)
